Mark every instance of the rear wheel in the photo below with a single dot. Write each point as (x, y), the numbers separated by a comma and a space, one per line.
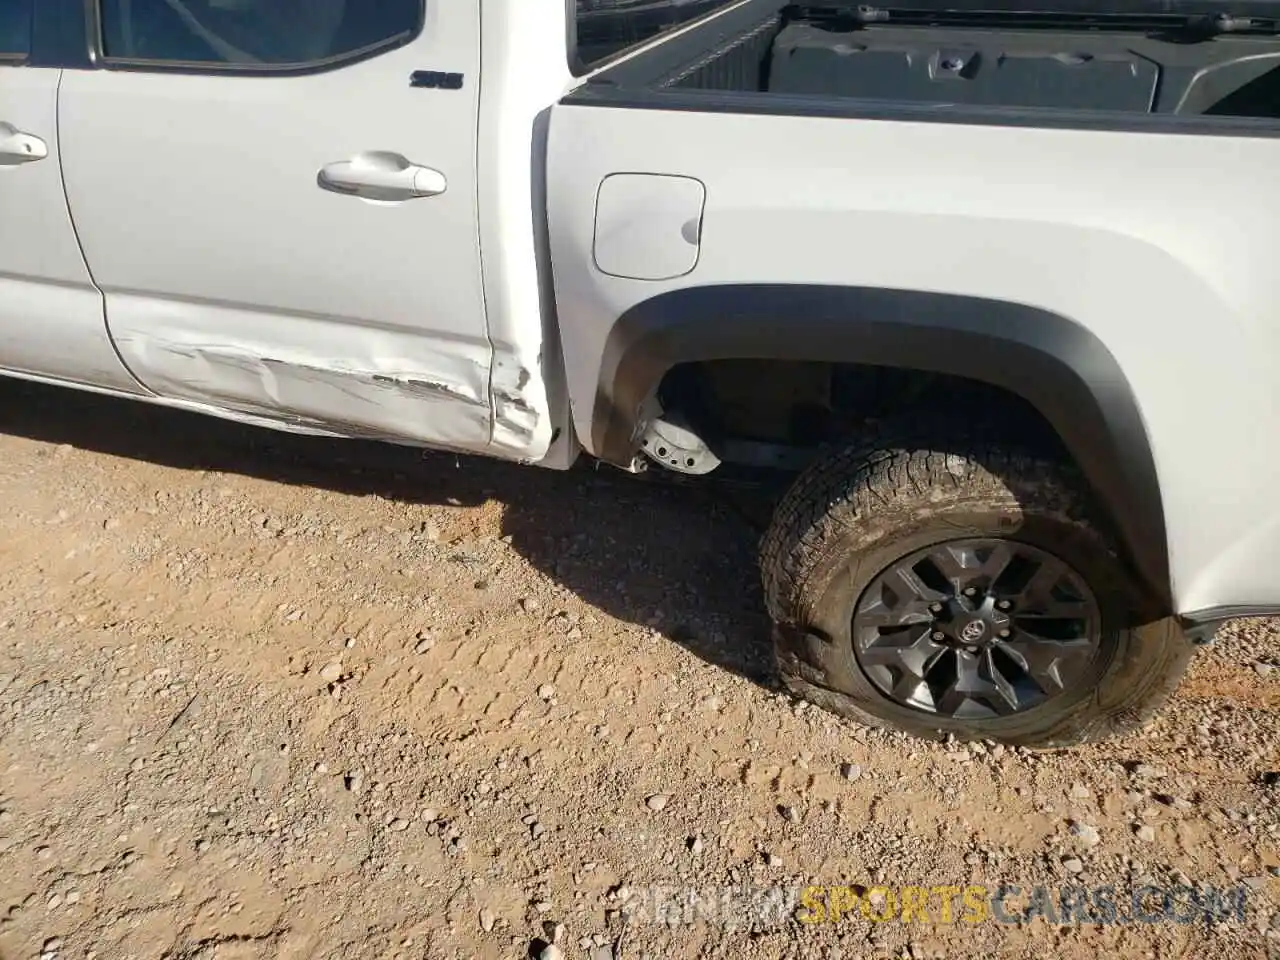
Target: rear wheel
(962, 587)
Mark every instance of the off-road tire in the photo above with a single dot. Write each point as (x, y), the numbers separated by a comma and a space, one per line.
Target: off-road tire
(858, 510)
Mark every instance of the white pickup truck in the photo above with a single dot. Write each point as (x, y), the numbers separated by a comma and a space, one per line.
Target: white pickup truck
(996, 281)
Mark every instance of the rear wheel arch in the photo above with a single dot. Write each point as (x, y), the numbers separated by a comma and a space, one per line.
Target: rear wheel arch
(1059, 367)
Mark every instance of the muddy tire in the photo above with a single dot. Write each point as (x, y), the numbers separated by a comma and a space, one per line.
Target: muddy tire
(953, 586)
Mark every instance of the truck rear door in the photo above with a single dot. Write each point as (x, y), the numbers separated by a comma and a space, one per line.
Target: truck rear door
(278, 200)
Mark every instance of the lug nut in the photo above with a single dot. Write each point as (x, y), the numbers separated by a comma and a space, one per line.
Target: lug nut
(1005, 634)
(1004, 604)
(939, 635)
(935, 608)
(971, 592)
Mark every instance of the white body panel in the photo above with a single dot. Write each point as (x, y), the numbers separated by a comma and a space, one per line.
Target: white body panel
(1104, 228)
(233, 280)
(525, 72)
(51, 320)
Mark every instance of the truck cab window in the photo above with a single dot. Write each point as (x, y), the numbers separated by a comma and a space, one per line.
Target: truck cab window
(249, 33)
(15, 28)
(606, 27)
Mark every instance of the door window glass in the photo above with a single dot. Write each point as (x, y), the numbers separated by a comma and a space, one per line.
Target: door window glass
(253, 33)
(15, 28)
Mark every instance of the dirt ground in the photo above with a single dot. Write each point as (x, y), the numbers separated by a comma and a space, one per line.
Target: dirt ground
(272, 697)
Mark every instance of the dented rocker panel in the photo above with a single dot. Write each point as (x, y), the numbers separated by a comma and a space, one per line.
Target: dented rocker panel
(361, 382)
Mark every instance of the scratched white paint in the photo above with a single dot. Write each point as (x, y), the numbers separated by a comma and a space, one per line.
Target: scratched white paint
(190, 406)
(526, 70)
(232, 279)
(240, 288)
(309, 372)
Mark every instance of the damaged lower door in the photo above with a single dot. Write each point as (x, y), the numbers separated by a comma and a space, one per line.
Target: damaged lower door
(312, 373)
(297, 247)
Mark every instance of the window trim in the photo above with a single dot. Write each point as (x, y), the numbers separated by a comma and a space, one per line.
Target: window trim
(99, 57)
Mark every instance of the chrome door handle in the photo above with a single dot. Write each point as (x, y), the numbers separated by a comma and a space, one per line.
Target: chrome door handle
(17, 147)
(381, 176)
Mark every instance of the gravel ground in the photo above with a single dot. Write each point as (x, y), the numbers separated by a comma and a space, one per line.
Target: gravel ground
(271, 697)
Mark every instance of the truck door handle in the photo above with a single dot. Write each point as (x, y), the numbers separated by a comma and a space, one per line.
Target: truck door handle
(17, 147)
(383, 176)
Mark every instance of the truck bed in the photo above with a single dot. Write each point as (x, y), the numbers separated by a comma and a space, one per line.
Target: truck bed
(762, 187)
(1141, 61)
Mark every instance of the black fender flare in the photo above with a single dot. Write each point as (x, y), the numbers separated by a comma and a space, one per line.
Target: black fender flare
(1052, 362)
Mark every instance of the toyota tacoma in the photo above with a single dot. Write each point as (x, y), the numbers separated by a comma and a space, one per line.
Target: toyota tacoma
(990, 284)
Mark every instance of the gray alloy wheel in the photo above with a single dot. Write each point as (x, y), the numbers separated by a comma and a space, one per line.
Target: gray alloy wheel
(973, 629)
